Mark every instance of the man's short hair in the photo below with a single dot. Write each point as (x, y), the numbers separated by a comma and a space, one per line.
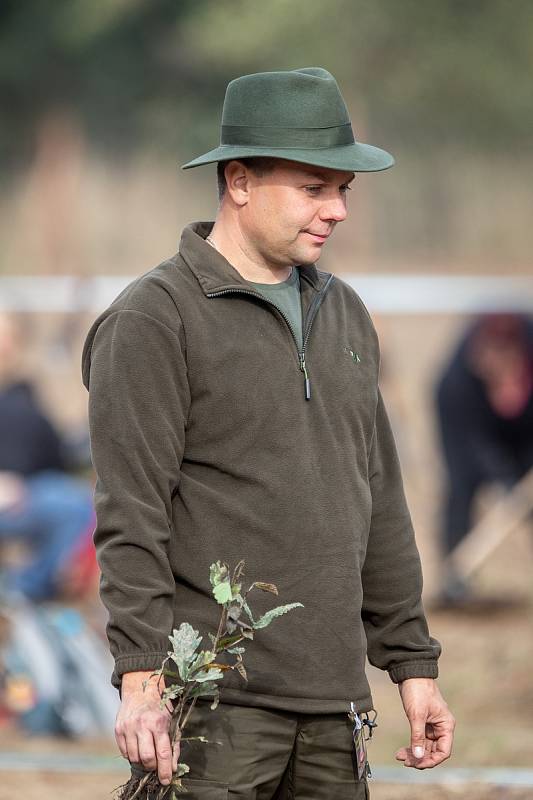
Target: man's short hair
(260, 165)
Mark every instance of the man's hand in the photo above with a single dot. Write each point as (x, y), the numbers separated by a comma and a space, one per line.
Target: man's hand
(142, 726)
(432, 724)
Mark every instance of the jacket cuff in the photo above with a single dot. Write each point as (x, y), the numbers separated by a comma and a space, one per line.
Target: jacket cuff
(414, 669)
(136, 662)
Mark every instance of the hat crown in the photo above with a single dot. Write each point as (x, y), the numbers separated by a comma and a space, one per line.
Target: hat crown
(302, 98)
(297, 115)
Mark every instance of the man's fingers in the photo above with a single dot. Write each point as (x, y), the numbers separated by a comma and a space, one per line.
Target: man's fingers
(429, 761)
(431, 724)
(409, 759)
(418, 736)
(121, 742)
(401, 754)
(151, 749)
(164, 757)
(147, 755)
(435, 753)
(443, 745)
(120, 737)
(132, 749)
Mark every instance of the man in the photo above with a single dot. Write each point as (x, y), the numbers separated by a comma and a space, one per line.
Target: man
(235, 413)
(484, 404)
(42, 507)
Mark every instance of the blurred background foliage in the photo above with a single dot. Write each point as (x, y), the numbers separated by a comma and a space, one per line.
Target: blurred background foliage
(101, 100)
(428, 75)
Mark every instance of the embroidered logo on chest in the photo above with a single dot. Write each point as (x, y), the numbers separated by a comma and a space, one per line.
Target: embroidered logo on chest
(353, 355)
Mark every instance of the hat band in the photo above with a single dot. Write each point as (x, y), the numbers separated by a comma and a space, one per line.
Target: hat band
(274, 137)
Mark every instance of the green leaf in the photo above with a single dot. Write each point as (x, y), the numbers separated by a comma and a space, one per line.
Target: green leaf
(208, 675)
(248, 611)
(222, 592)
(227, 641)
(184, 641)
(182, 769)
(267, 618)
(171, 693)
(218, 572)
(202, 659)
(169, 673)
(203, 689)
(236, 650)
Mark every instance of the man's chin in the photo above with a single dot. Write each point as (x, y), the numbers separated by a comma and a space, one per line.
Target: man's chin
(308, 256)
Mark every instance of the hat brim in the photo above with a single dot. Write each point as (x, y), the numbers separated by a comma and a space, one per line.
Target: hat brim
(356, 157)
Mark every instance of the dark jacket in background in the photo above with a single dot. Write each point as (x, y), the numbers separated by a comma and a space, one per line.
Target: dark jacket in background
(479, 445)
(28, 441)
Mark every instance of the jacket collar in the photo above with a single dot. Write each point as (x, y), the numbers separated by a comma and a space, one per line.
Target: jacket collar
(214, 272)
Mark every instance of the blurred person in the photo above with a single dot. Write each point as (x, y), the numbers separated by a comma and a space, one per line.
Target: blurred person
(235, 413)
(41, 506)
(484, 401)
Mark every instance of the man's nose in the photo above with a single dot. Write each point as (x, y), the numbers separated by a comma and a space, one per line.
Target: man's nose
(334, 209)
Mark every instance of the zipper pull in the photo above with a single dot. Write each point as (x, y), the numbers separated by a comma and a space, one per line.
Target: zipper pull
(307, 382)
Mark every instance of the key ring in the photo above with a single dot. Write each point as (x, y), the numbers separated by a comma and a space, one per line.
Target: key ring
(369, 722)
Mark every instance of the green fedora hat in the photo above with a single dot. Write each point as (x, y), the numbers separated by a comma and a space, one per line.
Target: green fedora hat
(298, 115)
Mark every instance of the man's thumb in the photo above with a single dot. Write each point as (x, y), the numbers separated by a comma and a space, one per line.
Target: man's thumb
(418, 739)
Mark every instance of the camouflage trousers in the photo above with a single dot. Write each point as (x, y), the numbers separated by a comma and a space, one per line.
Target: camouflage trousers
(270, 755)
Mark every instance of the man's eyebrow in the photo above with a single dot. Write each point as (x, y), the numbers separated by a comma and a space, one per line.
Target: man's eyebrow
(323, 176)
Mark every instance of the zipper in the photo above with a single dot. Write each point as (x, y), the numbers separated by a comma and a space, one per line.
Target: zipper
(311, 314)
(309, 317)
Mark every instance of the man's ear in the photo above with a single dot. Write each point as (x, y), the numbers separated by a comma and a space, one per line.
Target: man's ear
(237, 182)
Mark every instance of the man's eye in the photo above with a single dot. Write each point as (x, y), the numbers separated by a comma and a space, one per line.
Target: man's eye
(313, 189)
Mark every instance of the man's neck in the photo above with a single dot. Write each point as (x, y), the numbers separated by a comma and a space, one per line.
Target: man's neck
(243, 258)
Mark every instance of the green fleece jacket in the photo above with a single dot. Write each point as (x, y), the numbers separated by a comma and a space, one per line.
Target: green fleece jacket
(213, 438)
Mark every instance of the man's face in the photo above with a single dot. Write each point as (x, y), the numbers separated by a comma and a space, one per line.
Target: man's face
(290, 212)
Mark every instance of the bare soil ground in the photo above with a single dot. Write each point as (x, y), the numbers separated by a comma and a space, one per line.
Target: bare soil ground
(84, 786)
(48, 786)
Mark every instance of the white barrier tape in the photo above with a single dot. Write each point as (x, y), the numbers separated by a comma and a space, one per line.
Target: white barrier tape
(384, 293)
